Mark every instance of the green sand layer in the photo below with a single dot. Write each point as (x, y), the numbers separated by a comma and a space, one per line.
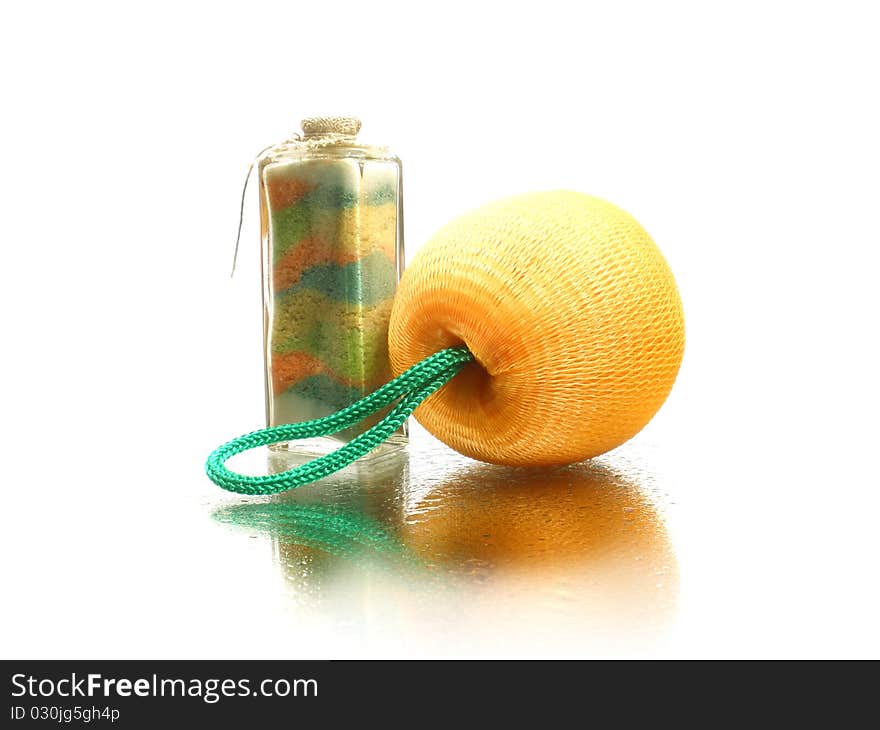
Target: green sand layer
(366, 282)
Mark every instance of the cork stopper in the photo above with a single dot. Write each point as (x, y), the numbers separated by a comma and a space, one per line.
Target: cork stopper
(330, 127)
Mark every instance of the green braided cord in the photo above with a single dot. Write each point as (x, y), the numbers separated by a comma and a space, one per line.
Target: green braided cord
(411, 388)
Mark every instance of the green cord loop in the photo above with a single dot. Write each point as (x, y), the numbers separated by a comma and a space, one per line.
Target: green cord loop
(409, 389)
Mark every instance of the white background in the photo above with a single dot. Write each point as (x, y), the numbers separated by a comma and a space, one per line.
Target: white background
(743, 136)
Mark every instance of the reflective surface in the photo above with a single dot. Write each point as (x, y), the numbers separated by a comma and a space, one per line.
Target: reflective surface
(432, 551)
(669, 549)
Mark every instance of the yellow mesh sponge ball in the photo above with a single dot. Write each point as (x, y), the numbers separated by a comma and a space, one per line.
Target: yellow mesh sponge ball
(572, 315)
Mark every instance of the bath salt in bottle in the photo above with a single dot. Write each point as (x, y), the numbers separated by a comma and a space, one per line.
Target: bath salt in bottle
(332, 253)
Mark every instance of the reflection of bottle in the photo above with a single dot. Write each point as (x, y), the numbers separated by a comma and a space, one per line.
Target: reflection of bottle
(332, 256)
(353, 520)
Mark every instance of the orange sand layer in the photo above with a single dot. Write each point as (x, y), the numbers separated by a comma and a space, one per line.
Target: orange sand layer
(289, 368)
(311, 251)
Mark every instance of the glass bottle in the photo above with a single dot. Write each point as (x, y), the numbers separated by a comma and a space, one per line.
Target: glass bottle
(332, 254)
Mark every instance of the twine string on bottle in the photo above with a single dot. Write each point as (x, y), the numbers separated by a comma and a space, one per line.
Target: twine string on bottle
(241, 208)
(408, 390)
(317, 132)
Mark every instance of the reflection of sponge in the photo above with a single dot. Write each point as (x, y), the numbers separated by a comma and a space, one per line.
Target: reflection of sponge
(572, 314)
